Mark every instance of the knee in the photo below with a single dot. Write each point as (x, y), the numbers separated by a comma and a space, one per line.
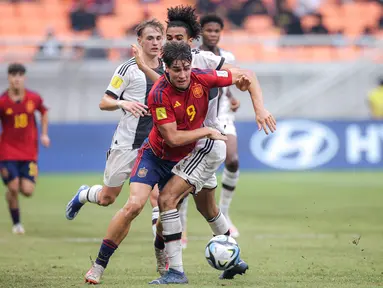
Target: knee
(132, 209)
(232, 163)
(27, 192)
(166, 202)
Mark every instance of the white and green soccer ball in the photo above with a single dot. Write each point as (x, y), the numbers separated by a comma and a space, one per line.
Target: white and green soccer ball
(222, 252)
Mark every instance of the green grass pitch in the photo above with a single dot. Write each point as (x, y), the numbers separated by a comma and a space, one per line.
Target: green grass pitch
(297, 230)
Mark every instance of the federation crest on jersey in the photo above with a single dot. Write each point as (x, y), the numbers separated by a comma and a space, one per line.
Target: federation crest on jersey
(142, 172)
(9, 111)
(161, 113)
(116, 82)
(30, 106)
(197, 91)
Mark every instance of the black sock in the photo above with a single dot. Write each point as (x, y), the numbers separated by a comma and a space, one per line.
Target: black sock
(159, 243)
(15, 214)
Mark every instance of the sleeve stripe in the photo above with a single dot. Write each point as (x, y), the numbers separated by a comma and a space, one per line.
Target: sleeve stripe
(220, 63)
(202, 71)
(124, 67)
(158, 92)
(110, 93)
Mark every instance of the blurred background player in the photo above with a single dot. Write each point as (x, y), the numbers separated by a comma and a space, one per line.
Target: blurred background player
(19, 140)
(128, 90)
(212, 26)
(375, 101)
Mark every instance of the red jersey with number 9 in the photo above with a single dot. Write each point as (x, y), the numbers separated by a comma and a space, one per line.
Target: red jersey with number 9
(187, 108)
(19, 136)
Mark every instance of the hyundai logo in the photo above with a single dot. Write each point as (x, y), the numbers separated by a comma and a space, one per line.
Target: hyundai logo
(296, 145)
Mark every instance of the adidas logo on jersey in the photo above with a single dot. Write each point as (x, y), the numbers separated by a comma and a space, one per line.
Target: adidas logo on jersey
(178, 104)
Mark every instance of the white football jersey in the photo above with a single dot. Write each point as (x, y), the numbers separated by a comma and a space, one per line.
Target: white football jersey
(208, 60)
(130, 83)
(224, 103)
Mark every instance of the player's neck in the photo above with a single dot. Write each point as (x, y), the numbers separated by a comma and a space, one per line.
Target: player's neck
(16, 94)
(151, 61)
(213, 49)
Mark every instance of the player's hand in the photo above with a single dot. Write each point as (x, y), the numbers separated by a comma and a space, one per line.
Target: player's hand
(265, 120)
(136, 108)
(243, 83)
(44, 138)
(216, 135)
(138, 55)
(234, 104)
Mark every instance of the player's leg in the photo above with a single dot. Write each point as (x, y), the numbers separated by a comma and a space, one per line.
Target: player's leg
(183, 215)
(144, 177)
(173, 192)
(155, 210)
(10, 175)
(28, 177)
(117, 170)
(230, 176)
(206, 205)
(118, 229)
(201, 174)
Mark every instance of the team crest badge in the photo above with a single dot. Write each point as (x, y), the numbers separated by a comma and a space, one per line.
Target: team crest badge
(30, 106)
(197, 91)
(9, 111)
(142, 172)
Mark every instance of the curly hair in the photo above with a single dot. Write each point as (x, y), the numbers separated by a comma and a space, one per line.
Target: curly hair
(184, 16)
(211, 18)
(173, 51)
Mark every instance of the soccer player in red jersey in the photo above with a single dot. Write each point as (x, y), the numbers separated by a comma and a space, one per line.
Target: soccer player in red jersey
(178, 103)
(19, 140)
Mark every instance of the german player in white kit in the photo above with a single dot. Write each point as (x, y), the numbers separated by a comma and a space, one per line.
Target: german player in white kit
(212, 26)
(127, 90)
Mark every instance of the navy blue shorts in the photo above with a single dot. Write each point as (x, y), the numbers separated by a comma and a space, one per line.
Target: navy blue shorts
(10, 170)
(151, 170)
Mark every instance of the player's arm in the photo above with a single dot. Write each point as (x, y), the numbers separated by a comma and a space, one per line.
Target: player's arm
(164, 118)
(247, 80)
(111, 100)
(44, 138)
(174, 137)
(150, 73)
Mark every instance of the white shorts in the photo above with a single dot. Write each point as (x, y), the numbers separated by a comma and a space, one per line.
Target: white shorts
(228, 123)
(118, 166)
(199, 167)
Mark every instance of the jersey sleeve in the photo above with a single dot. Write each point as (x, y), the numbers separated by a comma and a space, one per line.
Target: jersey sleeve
(207, 59)
(161, 108)
(119, 81)
(213, 78)
(40, 105)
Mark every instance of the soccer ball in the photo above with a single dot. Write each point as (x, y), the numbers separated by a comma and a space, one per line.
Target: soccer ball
(222, 252)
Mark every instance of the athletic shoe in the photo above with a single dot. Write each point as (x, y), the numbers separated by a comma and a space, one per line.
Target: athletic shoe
(75, 205)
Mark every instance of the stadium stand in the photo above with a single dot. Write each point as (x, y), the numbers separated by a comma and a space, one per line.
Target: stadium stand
(258, 40)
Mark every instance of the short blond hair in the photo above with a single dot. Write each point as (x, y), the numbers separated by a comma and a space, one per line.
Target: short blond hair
(149, 23)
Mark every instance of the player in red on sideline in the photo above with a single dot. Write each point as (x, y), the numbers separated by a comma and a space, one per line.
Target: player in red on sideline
(19, 140)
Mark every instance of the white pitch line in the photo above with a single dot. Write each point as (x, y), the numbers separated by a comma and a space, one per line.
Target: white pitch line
(307, 236)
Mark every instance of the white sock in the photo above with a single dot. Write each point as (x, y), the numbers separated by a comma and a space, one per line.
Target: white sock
(171, 224)
(183, 213)
(229, 181)
(219, 224)
(90, 195)
(155, 215)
